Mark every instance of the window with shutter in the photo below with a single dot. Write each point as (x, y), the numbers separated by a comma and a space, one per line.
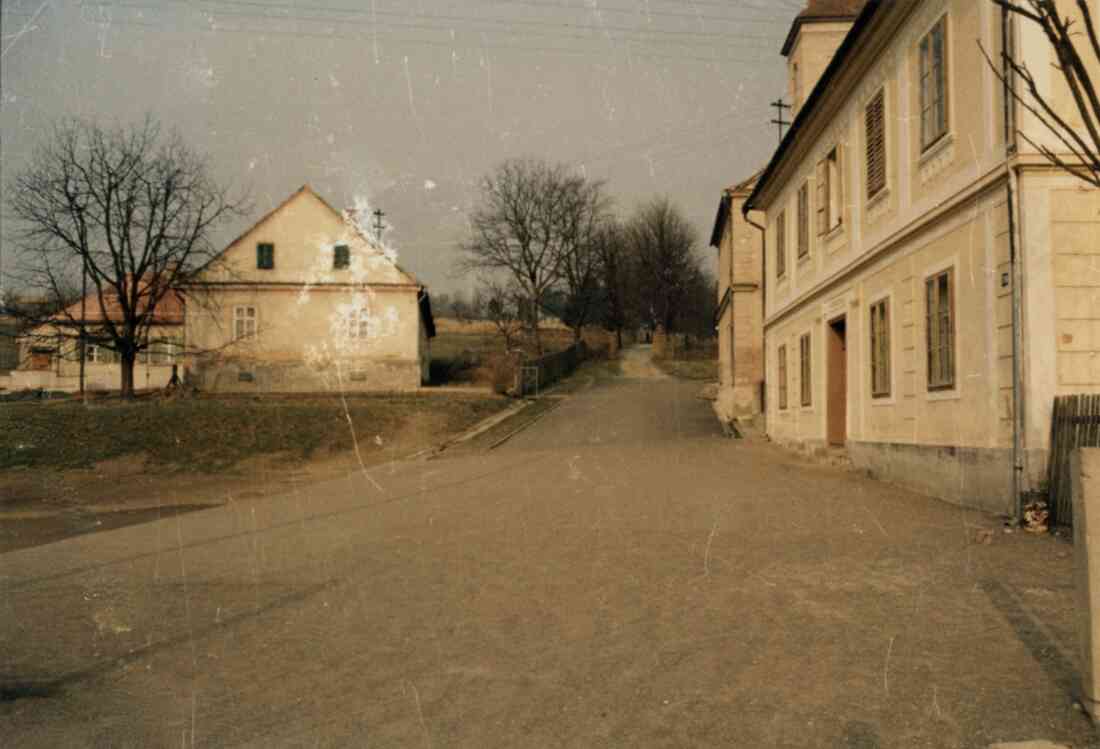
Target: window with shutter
(804, 355)
(880, 349)
(836, 186)
(782, 377)
(940, 330)
(933, 84)
(781, 244)
(341, 257)
(822, 204)
(804, 220)
(265, 256)
(875, 131)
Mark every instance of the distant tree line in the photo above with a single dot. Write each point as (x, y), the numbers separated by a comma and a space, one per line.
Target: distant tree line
(545, 241)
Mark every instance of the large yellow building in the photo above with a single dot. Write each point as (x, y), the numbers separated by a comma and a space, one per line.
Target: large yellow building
(931, 282)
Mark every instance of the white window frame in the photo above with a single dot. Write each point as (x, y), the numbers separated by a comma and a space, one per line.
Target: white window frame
(244, 324)
(932, 131)
(888, 398)
(357, 324)
(830, 191)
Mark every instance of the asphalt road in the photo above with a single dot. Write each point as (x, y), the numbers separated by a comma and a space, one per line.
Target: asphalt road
(617, 575)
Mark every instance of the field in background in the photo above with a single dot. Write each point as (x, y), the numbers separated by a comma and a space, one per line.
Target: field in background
(464, 353)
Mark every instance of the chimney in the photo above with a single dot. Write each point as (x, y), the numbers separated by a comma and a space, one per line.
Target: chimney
(813, 39)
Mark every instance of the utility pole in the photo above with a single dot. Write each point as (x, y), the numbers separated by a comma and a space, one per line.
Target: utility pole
(779, 107)
(378, 227)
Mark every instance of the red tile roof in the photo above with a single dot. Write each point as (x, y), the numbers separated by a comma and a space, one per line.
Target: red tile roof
(169, 309)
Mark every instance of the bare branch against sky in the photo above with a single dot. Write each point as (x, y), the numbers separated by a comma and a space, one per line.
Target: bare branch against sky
(409, 103)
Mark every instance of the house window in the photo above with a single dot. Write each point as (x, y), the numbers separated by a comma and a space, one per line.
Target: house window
(804, 374)
(783, 377)
(357, 323)
(880, 349)
(244, 323)
(804, 220)
(265, 256)
(160, 352)
(830, 196)
(781, 245)
(875, 131)
(98, 354)
(940, 330)
(341, 257)
(933, 84)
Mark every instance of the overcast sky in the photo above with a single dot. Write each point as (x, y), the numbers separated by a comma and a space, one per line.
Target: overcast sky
(407, 103)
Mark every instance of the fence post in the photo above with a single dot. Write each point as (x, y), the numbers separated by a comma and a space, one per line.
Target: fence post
(1085, 480)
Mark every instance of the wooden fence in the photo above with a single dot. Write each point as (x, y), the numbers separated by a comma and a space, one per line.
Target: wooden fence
(1076, 423)
(536, 374)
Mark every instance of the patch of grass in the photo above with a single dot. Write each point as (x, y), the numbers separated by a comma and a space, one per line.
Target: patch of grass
(214, 434)
(690, 369)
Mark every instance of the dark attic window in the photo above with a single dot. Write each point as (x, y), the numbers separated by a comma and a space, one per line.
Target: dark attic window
(265, 256)
(342, 257)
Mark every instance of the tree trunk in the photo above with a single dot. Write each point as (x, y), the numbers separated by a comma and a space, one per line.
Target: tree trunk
(619, 337)
(126, 365)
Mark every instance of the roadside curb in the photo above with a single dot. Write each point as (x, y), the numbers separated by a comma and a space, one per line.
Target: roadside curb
(557, 401)
(478, 429)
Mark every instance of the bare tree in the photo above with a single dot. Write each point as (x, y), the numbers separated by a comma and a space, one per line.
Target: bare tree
(615, 279)
(504, 305)
(585, 221)
(526, 228)
(1082, 142)
(663, 243)
(124, 213)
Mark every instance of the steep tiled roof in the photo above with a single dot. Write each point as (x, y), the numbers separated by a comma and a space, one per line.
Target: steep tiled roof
(822, 10)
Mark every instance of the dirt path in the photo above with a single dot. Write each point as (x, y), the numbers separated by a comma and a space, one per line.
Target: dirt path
(617, 575)
(637, 363)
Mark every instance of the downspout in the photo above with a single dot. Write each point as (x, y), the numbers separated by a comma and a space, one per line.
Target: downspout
(1012, 189)
(729, 287)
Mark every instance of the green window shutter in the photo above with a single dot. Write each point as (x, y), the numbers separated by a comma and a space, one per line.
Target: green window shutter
(265, 256)
(341, 256)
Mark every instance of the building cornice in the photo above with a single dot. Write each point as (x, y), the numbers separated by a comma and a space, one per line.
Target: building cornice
(993, 178)
(300, 286)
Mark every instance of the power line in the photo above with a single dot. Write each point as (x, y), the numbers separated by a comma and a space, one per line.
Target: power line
(444, 29)
(363, 19)
(453, 45)
(784, 20)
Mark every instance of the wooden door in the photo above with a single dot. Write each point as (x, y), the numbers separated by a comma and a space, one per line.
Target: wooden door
(837, 382)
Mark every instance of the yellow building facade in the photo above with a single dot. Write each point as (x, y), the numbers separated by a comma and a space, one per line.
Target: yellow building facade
(928, 277)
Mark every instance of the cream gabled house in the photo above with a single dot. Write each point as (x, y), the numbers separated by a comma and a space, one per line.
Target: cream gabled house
(306, 301)
(929, 278)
